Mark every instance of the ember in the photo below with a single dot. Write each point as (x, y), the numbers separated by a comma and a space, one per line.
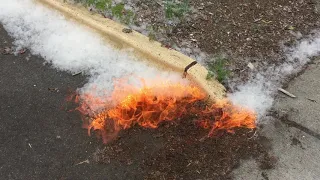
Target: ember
(151, 105)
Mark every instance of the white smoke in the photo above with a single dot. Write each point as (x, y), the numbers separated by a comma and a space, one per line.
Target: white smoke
(70, 47)
(73, 48)
(258, 93)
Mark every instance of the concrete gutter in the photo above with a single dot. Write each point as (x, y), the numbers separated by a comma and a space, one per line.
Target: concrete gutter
(144, 49)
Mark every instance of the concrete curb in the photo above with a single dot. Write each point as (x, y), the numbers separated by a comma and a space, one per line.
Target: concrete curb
(144, 49)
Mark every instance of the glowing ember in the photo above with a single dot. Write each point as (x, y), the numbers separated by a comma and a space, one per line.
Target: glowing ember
(149, 106)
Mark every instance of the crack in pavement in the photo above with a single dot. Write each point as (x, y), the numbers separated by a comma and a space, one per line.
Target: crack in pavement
(294, 124)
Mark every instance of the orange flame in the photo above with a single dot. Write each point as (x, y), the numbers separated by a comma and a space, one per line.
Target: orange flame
(227, 116)
(150, 106)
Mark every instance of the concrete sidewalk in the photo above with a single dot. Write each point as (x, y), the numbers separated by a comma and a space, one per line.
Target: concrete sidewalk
(294, 132)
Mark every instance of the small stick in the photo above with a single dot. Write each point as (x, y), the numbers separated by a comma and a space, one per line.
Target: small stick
(86, 161)
(188, 67)
(255, 132)
(286, 93)
(203, 138)
(76, 74)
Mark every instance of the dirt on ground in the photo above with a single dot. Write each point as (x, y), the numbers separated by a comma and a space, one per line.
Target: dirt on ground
(182, 150)
(245, 31)
(244, 28)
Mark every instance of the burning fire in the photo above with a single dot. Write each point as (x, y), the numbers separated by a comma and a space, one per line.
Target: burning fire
(151, 105)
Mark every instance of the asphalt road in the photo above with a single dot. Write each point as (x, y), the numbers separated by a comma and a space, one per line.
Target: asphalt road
(39, 138)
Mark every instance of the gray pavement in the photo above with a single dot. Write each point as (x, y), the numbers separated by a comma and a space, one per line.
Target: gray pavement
(294, 132)
(39, 139)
